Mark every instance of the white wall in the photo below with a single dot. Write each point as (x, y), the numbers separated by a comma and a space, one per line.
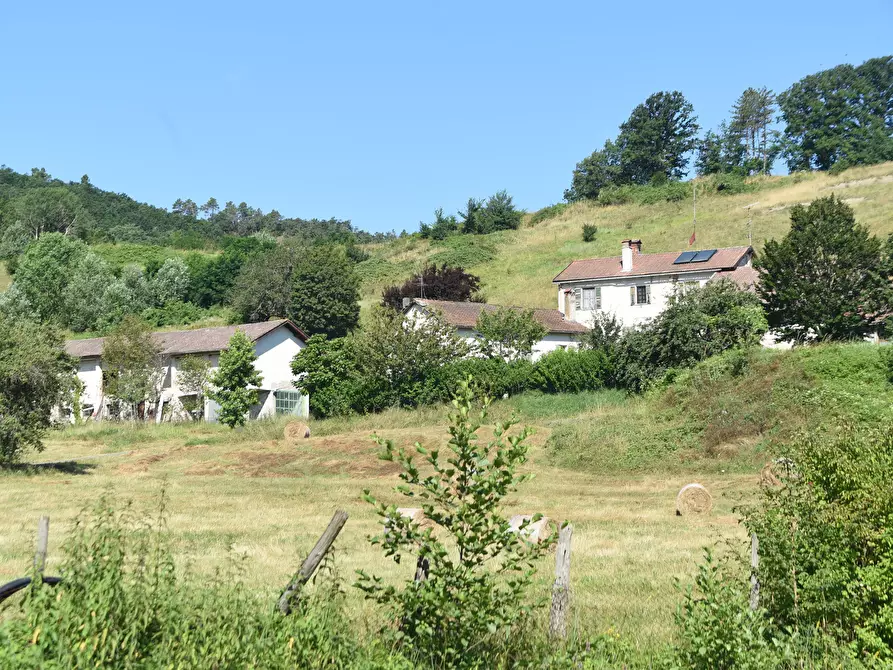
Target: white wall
(615, 297)
(275, 351)
(90, 375)
(549, 343)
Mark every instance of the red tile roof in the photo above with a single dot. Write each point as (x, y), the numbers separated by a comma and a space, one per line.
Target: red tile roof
(649, 264)
(745, 276)
(465, 315)
(180, 342)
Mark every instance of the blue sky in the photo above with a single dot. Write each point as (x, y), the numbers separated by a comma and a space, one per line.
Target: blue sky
(381, 112)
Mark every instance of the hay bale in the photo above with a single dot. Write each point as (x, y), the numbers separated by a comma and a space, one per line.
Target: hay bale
(693, 499)
(535, 532)
(297, 431)
(415, 515)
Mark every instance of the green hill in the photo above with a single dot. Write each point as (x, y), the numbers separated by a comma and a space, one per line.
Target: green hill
(517, 266)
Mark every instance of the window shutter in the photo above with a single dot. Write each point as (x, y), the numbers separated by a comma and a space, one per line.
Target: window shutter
(632, 295)
(578, 298)
(598, 297)
(648, 293)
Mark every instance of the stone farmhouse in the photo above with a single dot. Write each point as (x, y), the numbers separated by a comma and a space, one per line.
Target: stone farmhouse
(275, 343)
(636, 287)
(561, 333)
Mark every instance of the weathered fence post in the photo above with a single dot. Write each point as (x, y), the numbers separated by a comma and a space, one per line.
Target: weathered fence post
(561, 588)
(754, 566)
(43, 538)
(314, 558)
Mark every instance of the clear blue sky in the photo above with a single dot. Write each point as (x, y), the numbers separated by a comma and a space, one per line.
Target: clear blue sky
(379, 112)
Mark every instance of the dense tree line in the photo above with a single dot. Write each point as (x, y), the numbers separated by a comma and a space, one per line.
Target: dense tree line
(32, 204)
(829, 120)
(498, 212)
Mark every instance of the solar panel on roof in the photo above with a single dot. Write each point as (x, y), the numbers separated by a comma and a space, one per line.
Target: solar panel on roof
(703, 256)
(685, 257)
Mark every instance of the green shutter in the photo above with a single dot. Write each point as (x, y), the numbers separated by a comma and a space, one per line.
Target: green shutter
(632, 295)
(578, 298)
(598, 297)
(648, 293)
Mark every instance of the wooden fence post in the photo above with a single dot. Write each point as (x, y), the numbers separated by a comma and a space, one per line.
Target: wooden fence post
(754, 566)
(561, 588)
(43, 538)
(314, 558)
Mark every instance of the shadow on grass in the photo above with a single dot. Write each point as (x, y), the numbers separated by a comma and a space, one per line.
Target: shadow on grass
(57, 467)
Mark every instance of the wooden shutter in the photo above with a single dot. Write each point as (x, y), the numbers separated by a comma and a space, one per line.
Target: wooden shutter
(648, 293)
(632, 295)
(598, 297)
(578, 298)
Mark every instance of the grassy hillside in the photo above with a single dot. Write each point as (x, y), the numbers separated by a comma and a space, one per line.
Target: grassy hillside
(518, 266)
(610, 464)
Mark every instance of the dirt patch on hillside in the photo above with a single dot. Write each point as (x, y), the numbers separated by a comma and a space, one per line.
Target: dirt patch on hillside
(143, 464)
(885, 179)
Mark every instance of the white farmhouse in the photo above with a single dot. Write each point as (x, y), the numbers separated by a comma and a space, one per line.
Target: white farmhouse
(275, 343)
(561, 333)
(636, 287)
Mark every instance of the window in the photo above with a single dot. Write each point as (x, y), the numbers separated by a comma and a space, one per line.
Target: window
(288, 402)
(640, 295)
(592, 298)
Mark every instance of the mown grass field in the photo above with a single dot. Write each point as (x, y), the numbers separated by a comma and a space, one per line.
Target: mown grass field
(517, 267)
(610, 464)
(253, 493)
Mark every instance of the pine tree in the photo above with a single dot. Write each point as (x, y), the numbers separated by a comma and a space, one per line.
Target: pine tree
(231, 381)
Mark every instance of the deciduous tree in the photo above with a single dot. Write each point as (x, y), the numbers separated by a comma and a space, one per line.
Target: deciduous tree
(508, 333)
(132, 364)
(35, 376)
(233, 380)
(437, 282)
(325, 292)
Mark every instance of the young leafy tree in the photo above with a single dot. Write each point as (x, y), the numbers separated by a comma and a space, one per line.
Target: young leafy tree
(35, 376)
(470, 216)
(657, 138)
(325, 292)
(473, 600)
(235, 374)
(822, 281)
(508, 333)
(51, 210)
(440, 283)
(85, 307)
(327, 371)
(194, 380)
(132, 363)
(605, 333)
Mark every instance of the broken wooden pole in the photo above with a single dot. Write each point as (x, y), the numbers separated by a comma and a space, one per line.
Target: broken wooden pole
(314, 558)
(561, 588)
(754, 566)
(43, 539)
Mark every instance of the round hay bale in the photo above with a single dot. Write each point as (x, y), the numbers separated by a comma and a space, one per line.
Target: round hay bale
(693, 499)
(297, 431)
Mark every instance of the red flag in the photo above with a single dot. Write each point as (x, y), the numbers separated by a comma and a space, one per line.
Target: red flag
(691, 240)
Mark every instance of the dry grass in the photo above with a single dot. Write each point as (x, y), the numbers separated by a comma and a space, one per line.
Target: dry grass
(529, 258)
(255, 493)
(5, 279)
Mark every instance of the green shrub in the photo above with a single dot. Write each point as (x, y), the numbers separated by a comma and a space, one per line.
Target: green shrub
(473, 605)
(826, 539)
(176, 314)
(571, 371)
(464, 251)
(589, 232)
(492, 377)
(648, 194)
(549, 212)
(124, 604)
